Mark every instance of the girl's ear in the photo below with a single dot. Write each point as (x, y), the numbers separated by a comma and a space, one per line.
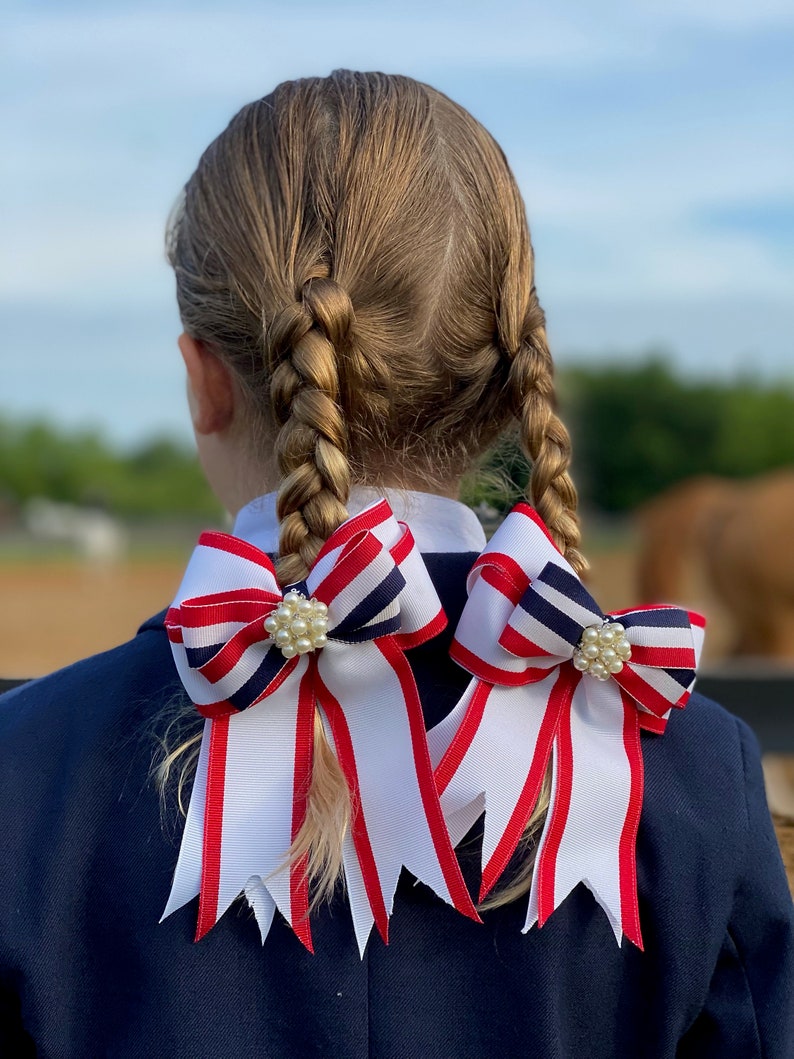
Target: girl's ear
(210, 387)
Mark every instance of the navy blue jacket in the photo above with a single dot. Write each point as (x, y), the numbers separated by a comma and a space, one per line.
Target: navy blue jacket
(86, 859)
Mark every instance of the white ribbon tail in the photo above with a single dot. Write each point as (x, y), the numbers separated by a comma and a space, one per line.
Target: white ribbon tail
(462, 802)
(590, 830)
(360, 909)
(262, 903)
(252, 812)
(498, 755)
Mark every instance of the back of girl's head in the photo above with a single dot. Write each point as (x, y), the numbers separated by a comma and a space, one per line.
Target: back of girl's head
(356, 248)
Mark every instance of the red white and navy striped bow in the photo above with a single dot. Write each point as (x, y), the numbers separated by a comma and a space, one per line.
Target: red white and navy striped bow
(371, 598)
(555, 677)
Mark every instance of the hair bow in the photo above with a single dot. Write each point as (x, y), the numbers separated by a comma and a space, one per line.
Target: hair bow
(256, 662)
(555, 677)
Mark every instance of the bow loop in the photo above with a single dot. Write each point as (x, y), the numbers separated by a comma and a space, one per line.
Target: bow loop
(665, 646)
(362, 588)
(550, 616)
(222, 651)
(232, 659)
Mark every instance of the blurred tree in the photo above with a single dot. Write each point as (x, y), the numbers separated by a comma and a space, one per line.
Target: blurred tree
(638, 429)
(160, 477)
(756, 429)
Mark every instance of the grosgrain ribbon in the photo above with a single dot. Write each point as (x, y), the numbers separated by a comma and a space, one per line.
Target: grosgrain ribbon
(525, 615)
(254, 768)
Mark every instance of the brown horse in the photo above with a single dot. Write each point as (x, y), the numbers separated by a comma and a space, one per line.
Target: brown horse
(737, 537)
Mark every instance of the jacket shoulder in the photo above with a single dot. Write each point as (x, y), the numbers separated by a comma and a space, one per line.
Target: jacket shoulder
(695, 774)
(122, 686)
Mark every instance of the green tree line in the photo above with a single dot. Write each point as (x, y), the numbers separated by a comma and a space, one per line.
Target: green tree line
(637, 429)
(156, 478)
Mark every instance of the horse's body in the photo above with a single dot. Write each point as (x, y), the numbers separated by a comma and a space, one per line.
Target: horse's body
(739, 535)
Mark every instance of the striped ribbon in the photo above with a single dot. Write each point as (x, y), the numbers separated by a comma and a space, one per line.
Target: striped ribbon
(527, 704)
(254, 768)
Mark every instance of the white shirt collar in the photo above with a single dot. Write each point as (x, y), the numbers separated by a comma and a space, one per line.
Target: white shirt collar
(437, 523)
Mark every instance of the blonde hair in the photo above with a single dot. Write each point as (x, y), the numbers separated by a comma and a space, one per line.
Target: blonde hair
(356, 248)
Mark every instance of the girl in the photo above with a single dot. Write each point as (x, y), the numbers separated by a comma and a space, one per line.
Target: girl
(356, 285)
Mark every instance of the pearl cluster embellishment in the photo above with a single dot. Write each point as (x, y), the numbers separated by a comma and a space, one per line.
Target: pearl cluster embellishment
(602, 650)
(298, 625)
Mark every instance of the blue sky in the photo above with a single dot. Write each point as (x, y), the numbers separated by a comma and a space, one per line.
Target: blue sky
(652, 142)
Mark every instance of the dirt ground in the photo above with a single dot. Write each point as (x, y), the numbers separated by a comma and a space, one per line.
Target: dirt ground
(54, 612)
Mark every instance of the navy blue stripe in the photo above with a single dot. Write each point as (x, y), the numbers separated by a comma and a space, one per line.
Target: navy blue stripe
(369, 632)
(566, 627)
(199, 656)
(684, 677)
(298, 586)
(555, 577)
(547, 614)
(273, 661)
(660, 618)
(378, 599)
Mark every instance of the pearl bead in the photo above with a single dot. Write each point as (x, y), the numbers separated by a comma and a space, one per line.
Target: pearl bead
(602, 650)
(298, 624)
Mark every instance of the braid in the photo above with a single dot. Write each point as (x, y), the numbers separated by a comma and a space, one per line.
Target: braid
(311, 446)
(544, 438)
(547, 444)
(305, 343)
